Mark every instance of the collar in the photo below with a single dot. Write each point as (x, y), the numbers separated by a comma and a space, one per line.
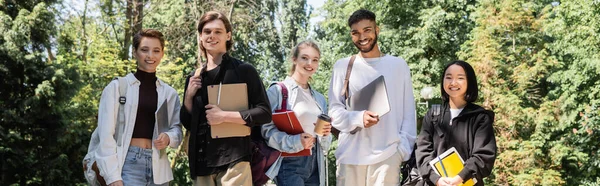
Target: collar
(131, 80)
(145, 76)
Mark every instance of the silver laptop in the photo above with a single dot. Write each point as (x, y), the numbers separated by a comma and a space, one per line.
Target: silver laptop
(372, 97)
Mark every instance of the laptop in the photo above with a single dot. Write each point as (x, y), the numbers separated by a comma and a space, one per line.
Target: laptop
(372, 97)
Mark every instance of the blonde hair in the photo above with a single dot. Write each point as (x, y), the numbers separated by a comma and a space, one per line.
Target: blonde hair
(296, 52)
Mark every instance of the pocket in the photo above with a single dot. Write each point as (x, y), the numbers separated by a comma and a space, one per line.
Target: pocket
(131, 157)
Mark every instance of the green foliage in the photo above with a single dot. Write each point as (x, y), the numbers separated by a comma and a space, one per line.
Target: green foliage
(36, 130)
(537, 62)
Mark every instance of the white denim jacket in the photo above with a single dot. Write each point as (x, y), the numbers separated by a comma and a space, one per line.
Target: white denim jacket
(110, 157)
(292, 143)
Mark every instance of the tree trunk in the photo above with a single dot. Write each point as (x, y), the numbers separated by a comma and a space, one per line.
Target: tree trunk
(127, 32)
(50, 55)
(84, 35)
(138, 16)
(231, 9)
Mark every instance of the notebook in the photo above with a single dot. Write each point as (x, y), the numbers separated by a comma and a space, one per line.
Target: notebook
(449, 164)
(287, 122)
(229, 97)
(162, 123)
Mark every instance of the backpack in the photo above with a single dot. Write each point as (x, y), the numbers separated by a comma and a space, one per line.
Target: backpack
(263, 156)
(410, 170)
(90, 168)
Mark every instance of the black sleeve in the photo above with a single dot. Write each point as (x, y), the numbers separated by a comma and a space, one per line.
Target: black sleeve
(483, 155)
(260, 109)
(184, 115)
(425, 150)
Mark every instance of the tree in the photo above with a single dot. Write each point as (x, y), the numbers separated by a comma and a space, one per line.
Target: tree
(35, 128)
(519, 50)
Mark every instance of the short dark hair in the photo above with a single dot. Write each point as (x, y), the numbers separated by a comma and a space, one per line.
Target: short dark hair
(472, 90)
(211, 16)
(360, 15)
(151, 33)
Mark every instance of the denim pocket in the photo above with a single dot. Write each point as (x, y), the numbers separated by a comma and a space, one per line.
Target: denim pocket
(131, 157)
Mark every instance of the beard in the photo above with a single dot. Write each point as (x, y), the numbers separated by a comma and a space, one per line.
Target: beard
(369, 48)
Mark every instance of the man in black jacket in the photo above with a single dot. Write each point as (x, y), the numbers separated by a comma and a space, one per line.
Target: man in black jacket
(223, 160)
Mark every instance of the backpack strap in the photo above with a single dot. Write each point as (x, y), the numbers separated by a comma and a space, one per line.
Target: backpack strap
(345, 90)
(436, 110)
(120, 127)
(284, 95)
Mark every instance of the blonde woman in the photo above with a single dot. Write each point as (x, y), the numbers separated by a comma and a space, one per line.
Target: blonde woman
(307, 104)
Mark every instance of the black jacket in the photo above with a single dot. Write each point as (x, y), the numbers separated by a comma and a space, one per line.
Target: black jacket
(206, 155)
(471, 133)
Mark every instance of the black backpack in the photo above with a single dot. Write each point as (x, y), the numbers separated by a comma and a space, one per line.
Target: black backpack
(410, 170)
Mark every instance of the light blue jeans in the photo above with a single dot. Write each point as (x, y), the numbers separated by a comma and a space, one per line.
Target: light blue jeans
(299, 171)
(138, 167)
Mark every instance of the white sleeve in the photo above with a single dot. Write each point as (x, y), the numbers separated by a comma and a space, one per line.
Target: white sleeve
(174, 133)
(408, 131)
(106, 154)
(342, 119)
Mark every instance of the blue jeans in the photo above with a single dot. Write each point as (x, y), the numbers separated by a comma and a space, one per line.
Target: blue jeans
(137, 169)
(299, 171)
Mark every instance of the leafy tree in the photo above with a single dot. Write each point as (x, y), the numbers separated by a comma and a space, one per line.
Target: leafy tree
(37, 140)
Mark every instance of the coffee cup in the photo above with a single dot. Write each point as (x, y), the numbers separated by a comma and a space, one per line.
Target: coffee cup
(322, 121)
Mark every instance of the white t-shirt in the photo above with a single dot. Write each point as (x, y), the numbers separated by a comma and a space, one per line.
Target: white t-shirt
(454, 113)
(306, 110)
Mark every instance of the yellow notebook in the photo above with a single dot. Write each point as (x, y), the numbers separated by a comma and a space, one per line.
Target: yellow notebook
(449, 164)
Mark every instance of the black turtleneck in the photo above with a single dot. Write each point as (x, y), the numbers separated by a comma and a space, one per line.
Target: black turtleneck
(144, 120)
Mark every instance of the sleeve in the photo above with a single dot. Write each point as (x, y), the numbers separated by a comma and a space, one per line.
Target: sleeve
(275, 138)
(260, 111)
(325, 141)
(175, 133)
(343, 120)
(185, 116)
(425, 150)
(106, 154)
(408, 127)
(484, 150)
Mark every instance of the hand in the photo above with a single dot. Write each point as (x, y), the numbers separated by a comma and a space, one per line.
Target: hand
(116, 183)
(326, 129)
(162, 141)
(370, 119)
(456, 180)
(193, 86)
(307, 140)
(444, 181)
(214, 115)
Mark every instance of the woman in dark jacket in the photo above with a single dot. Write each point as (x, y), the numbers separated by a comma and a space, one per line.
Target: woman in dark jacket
(460, 124)
(221, 161)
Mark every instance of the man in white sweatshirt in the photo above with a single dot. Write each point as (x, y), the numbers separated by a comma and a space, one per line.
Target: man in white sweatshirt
(371, 148)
